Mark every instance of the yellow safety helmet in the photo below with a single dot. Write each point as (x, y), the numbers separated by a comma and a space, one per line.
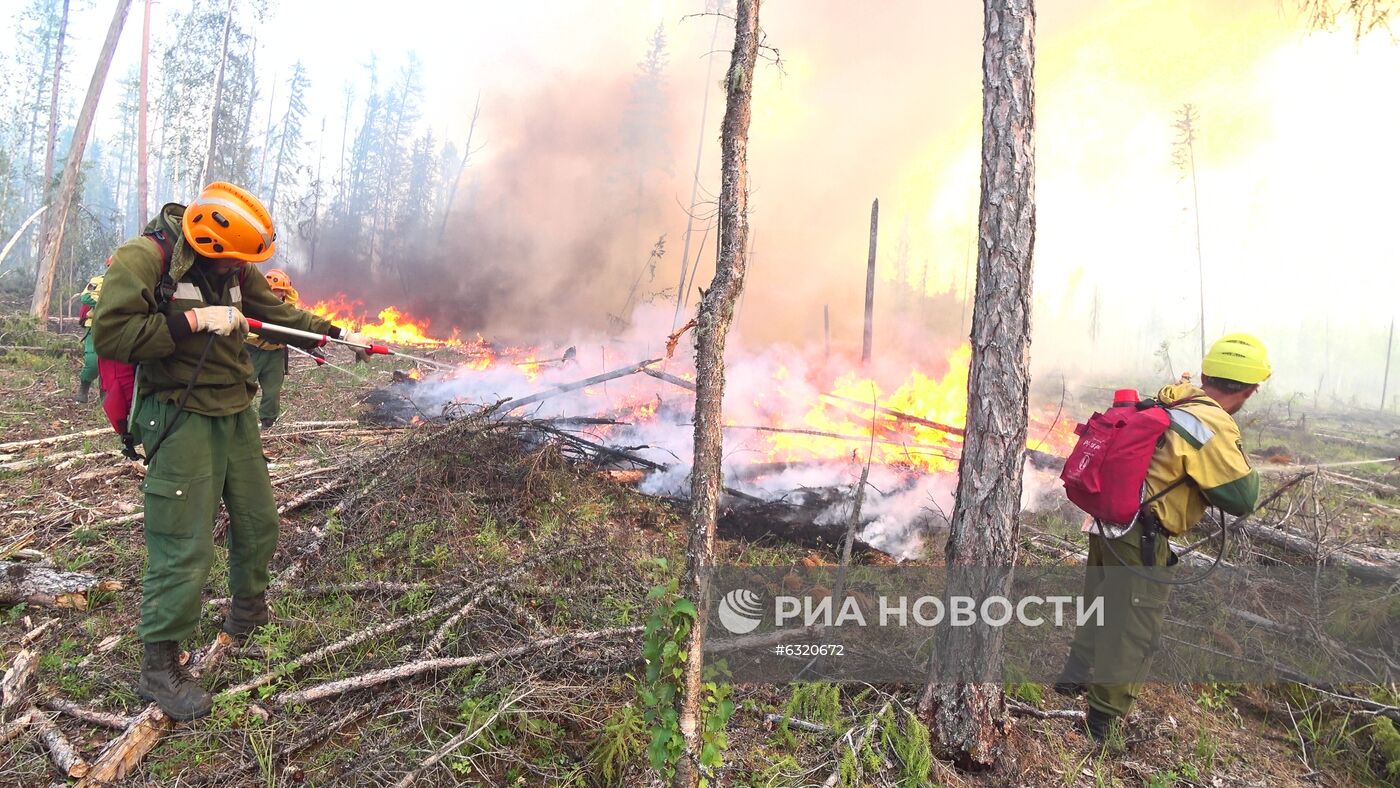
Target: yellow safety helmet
(95, 284)
(1239, 357)
(228, 222)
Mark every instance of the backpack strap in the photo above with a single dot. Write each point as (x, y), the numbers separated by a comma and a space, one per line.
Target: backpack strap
(165, 286)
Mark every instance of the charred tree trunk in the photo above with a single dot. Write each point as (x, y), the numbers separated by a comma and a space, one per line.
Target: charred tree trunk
(142, 200)
(966, 715)
(207, 174)
(869, 336)
(58, 215)
(716, 312)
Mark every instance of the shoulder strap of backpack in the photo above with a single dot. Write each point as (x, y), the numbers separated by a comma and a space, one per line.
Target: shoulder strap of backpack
(165, 286)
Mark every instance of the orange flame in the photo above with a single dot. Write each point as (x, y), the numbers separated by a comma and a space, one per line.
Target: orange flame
(394, 326)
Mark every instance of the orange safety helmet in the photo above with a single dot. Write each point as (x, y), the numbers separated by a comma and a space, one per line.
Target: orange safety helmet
(227, 222)
(278, 280)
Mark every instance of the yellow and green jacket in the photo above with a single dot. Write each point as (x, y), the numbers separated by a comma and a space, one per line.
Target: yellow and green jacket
(1202, 445)
(89, 298)
(290, 299)
(130, 326)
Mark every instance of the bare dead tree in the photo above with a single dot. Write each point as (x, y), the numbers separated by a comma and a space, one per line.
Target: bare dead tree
(868, 338)
(208, 171)
(715, 315)
(1184, 157)
(142, 200)
(967, 716)
(68, 186)
(695, 180)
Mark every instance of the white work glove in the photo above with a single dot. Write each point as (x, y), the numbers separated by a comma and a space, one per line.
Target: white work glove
(221, 320)
(356, 337)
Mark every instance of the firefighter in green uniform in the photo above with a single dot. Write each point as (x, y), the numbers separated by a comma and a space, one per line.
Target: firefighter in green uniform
(1202, 446)
(88, 299)
(270, 358)
(173, 302)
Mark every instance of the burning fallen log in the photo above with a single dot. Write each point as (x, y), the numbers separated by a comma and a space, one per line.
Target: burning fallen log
(45, 585)
(576, 385)
(902, 416)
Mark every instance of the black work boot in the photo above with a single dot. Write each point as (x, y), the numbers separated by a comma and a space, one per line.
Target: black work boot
(1099, 724)
(245, 614)
(266, 423)
(1073, 678)
(165, 682)
(81, 395)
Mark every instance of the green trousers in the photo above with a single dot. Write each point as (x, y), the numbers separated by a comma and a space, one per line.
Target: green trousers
(204, 459)
(1118, 654)
(89, 373)
(269, 371)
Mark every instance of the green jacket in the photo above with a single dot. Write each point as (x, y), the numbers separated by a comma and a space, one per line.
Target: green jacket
(128, 327)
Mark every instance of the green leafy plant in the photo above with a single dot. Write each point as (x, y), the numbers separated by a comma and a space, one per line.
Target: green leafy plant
(663, 650)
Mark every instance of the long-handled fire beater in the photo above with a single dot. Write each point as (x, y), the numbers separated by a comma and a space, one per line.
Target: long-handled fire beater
(322, 362)
(373, 349)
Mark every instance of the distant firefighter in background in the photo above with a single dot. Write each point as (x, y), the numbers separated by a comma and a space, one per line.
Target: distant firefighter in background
(89, 297)
(271, 360)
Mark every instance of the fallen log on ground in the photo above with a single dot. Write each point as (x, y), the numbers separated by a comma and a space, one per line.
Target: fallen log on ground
(15, 727)
(902, 416)
(45, 585)
(585, 383)
(669, 378)
(54, 440)
(95, 716)
(65, 756)
(17, 682)
(1307, 548)
(918, 447)
(374, 678)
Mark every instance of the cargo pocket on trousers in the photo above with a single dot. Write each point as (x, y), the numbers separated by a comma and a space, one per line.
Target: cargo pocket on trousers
(168, 505)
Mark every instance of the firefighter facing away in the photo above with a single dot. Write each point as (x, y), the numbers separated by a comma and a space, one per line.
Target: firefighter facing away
(270, 359)
(173, 303)
(1199, 462)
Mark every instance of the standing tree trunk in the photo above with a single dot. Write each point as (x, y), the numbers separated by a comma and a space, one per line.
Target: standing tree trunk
(48, 263)
(966, 715)
(142, 201)
(53, 102)
(46, 190)
(207, 174)
(316, 199)
(461, 168)
(868, 338)
(712, 328)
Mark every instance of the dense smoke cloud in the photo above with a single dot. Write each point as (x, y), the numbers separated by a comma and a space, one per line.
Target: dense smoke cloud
(884, 101)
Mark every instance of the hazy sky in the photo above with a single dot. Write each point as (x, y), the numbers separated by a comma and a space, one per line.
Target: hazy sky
(1296, 159)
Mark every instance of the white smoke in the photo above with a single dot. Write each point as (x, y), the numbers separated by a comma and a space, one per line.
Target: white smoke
(905, 510)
